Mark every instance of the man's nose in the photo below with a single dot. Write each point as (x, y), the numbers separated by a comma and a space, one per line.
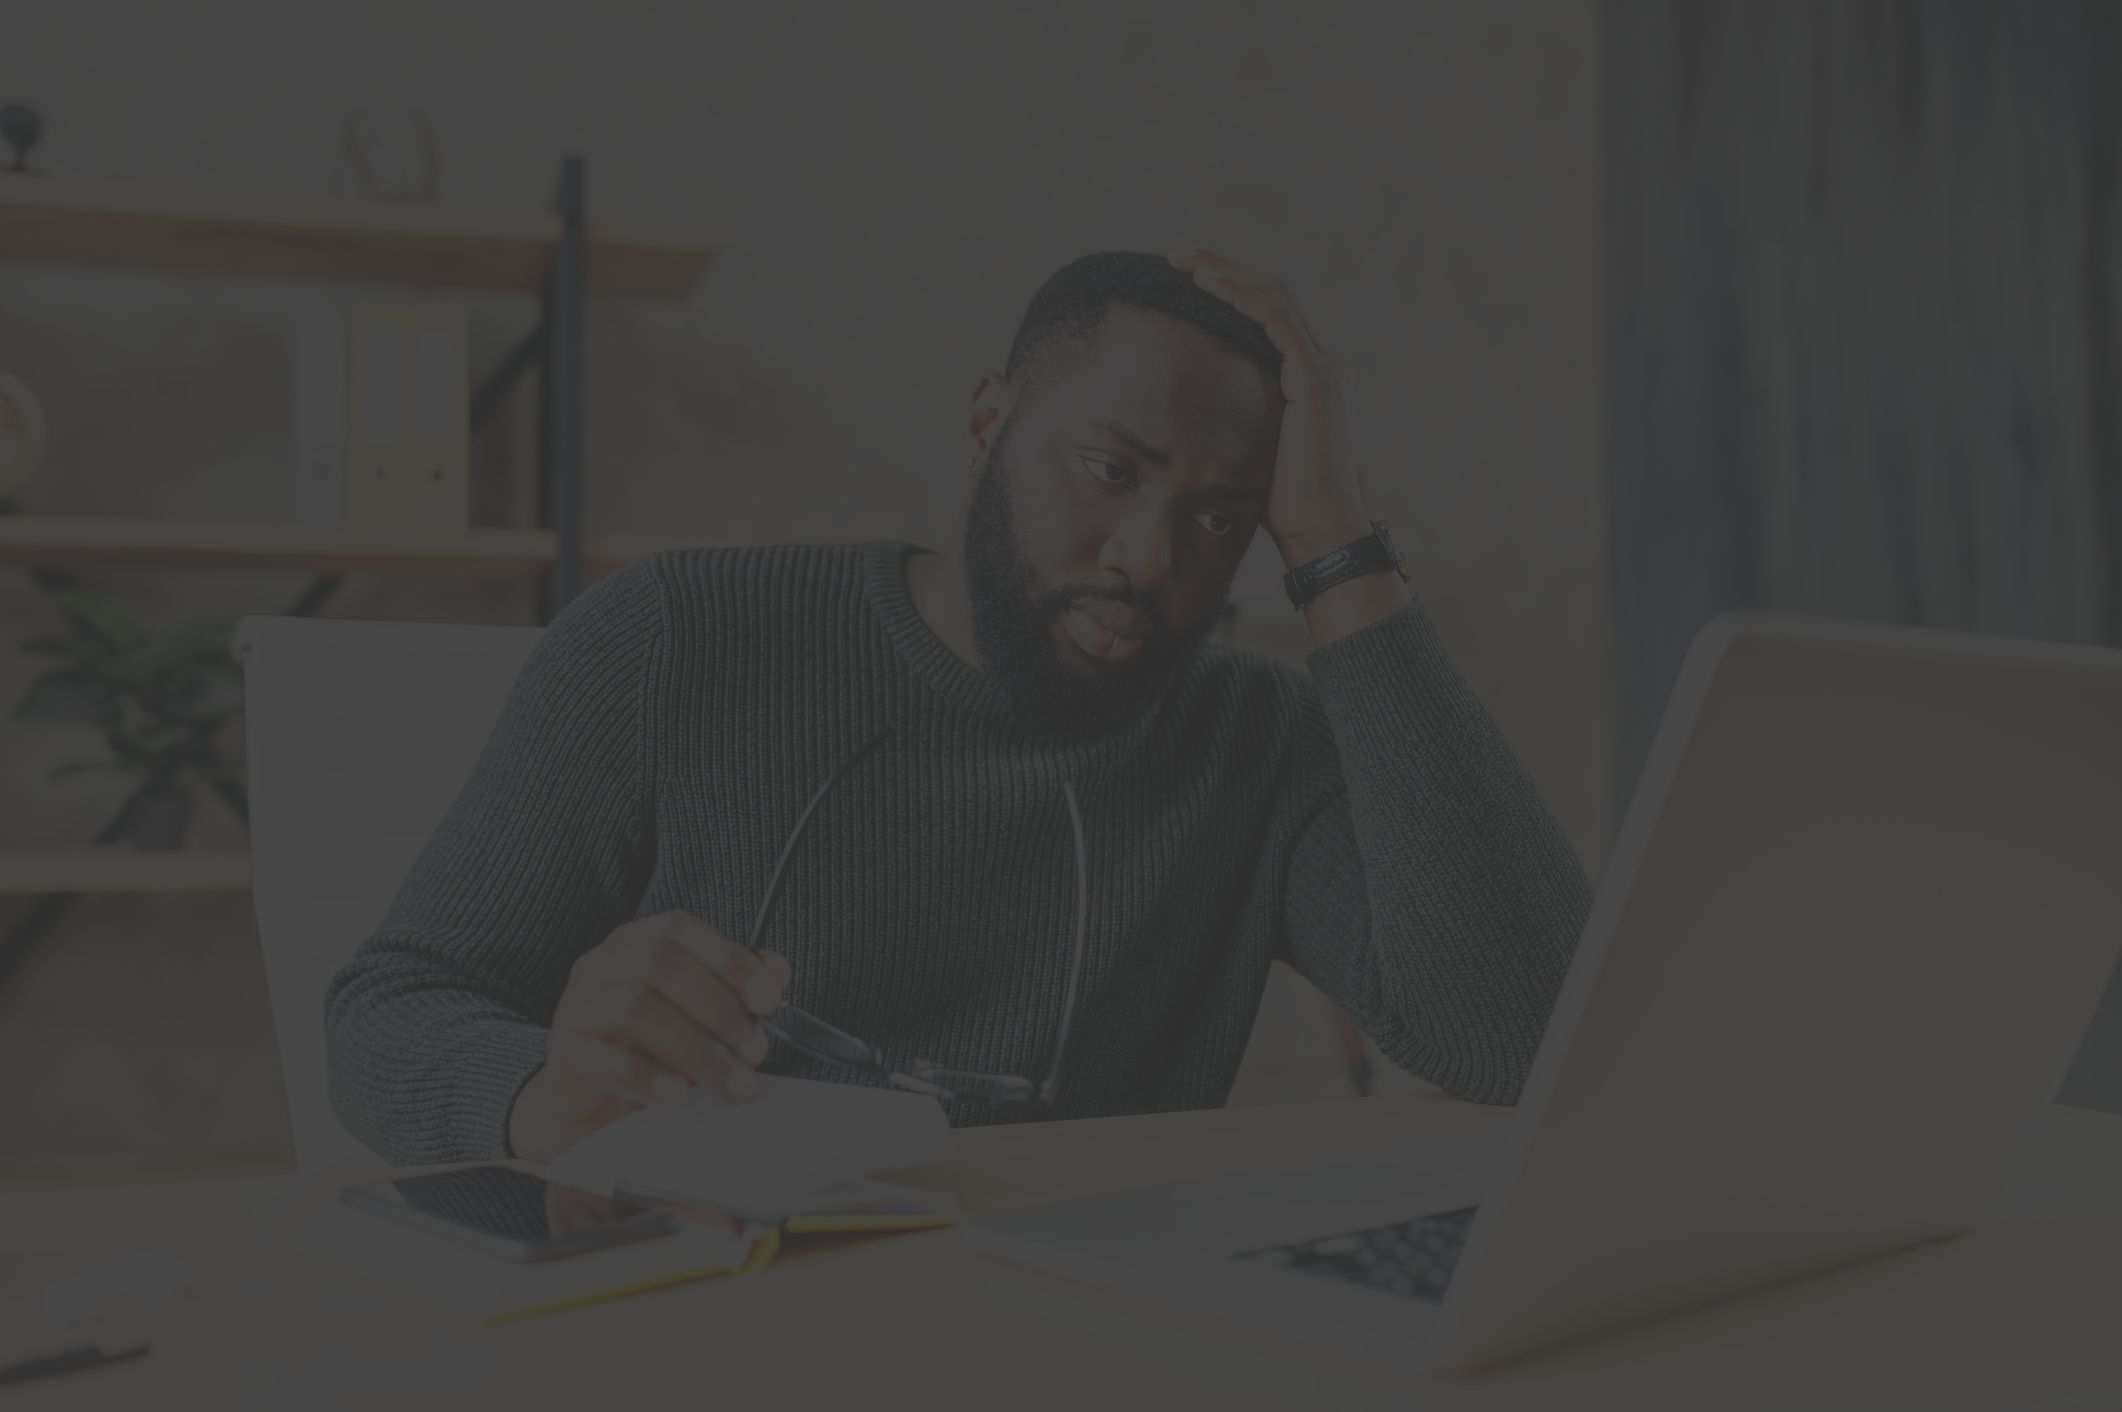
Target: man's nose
(1139, 547)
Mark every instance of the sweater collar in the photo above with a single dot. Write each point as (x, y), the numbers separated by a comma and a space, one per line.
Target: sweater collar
(966, 686)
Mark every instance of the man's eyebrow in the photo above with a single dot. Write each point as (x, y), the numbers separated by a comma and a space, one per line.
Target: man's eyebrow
(1224, 490)
(1154, 455)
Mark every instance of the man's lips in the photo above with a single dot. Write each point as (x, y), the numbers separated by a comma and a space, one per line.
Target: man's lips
(1115, 618)
(1109, 632)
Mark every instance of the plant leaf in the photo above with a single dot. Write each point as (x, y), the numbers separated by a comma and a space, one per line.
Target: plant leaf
(101, 617)
(203, 641)
(68, 695)
(68, 769)
(192, 695)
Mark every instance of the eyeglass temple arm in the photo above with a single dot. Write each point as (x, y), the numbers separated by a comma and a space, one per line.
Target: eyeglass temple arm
(1075, 964)
(795, 836)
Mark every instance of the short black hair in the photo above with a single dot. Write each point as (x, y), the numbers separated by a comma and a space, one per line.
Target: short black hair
(1072, 303)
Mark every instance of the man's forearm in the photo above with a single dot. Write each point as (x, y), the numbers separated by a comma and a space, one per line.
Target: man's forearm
(1471, 898)
(441, 1016)
(420, 1071)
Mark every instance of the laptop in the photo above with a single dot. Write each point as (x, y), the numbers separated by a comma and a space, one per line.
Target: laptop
(1862, 907)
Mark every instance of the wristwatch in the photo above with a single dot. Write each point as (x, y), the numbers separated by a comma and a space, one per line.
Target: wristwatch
(1374, 553)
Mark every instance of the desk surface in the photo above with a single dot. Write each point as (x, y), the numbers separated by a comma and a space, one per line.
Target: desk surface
(2022, 1317)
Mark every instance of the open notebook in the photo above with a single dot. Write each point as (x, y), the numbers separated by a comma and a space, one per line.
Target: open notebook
(801, 1156)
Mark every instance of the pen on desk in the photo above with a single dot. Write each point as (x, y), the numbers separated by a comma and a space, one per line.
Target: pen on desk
(69, 1359)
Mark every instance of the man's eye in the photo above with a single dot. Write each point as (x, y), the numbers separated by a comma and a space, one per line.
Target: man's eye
(1216, 523)
(1105, 472)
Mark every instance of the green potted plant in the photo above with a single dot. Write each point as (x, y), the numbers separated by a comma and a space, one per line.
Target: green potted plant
(163, 702)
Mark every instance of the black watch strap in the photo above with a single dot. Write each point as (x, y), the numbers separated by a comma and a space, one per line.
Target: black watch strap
(1373, 554)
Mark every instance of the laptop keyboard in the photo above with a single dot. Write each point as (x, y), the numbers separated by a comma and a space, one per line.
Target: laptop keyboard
(1413, 1258)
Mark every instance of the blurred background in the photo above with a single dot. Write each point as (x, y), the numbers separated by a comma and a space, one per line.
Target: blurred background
(1649, 308)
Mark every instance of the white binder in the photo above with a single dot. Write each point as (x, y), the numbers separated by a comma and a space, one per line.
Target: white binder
(437, 473)
(320, 422)
(377, 393)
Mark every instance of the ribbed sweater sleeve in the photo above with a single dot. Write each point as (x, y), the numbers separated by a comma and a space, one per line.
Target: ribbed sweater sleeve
(440, 1019)
(1429, 891)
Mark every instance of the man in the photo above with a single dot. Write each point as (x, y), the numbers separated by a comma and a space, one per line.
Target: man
(563, 951)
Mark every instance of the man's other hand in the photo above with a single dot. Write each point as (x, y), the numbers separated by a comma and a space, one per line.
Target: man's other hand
(663, 1005)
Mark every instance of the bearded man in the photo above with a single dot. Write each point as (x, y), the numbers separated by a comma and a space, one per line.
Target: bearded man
(1006, 825)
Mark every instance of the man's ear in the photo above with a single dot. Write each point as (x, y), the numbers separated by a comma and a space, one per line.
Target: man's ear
(993, 397)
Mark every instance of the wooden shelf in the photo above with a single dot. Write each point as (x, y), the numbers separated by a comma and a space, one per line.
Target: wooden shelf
(52, 222)
(64, 1172)
(97, 542)
(91, 542)
(93, 869)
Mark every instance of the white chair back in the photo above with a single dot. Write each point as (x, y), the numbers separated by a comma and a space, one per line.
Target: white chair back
(360, 736)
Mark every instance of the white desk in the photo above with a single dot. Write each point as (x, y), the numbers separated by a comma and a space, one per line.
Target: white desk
(2026, 1317)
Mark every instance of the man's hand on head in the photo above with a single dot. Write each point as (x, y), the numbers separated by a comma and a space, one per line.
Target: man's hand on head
(662, 1006)
(1315, 501)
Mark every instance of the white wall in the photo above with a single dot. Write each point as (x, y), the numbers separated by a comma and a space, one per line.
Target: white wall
(887, 184)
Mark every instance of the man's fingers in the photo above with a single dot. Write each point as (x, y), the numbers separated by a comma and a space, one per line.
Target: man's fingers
(647, 1051)
(677, 975)
(1296, 312)
(1267, 303)
(1270, 313)
(660, 1030)
(1262, 297)
(746, 974)
(1208, 264)
(1244, 277)
(623, 1072)
(1306, 367)
(1190, 257)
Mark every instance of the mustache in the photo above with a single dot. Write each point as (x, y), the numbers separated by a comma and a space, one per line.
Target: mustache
(1053, 602)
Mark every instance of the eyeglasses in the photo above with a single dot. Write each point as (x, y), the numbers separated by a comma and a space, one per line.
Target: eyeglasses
(807, 1034)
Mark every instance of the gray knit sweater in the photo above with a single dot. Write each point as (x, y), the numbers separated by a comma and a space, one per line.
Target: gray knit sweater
(1363, 821)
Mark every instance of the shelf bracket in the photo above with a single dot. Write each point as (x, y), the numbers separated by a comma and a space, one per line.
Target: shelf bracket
(561, 440)
(527, 354)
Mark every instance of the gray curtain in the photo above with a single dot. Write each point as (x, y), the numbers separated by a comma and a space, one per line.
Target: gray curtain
(1862, 290)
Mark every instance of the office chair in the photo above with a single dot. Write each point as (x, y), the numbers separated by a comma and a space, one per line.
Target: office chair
(360, 736)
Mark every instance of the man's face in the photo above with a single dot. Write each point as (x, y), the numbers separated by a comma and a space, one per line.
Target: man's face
(1114, 503)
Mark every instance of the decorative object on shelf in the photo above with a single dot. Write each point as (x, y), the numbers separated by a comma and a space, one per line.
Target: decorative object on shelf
(387, 153)
(162, 702)
(21, 434)
(382, 419)
(20, 127)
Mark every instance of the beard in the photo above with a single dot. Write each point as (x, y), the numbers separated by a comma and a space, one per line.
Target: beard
(1015, 613)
